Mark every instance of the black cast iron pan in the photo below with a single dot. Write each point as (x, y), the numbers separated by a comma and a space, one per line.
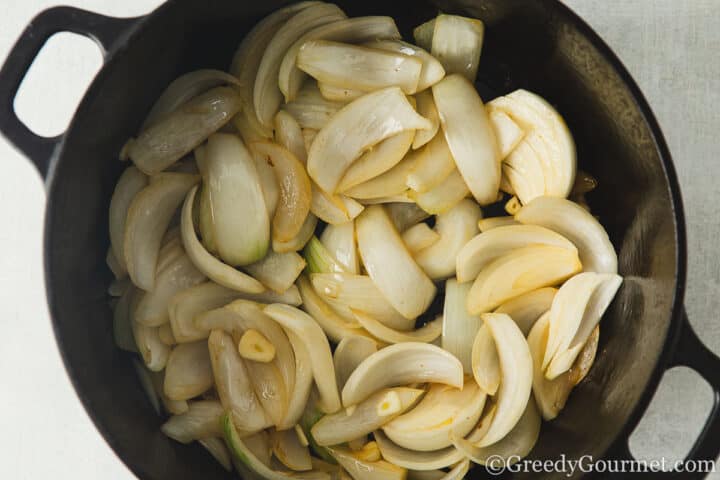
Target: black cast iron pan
(537, 44)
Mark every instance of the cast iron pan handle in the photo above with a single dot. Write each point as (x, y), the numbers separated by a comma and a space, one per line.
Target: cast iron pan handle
(691, 352)
(103, 30)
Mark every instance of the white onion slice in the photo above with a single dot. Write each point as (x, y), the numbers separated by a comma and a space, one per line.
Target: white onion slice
(287, 449)
(378, 160)
(188, 372)
(153, 351)
(339, 94)
(360, 125)
(443, 196)
(289, 134)
(457, 43)
(333, 209)
(485, 361)
(319, 259)
(423, 34)
(508, 133)
(277, 271)
(166, 335)
(303, 382)
(577, 225)
(489, 246)
(459, 327)
(311, 110)
(421, 461)
(202, 420)
(299, 241)
(309, 136)
(390, 183)
(131, 182)
(402, 364)
(485, 224)
(456, 227)
(390, 265)
(433, 167)
(527, 309)
(427, 333)
(350, 353)
(419, 237)
(432, 70)
(365, 470)
(340, 242)
(405, 215)
(426, 107)
(524, 171)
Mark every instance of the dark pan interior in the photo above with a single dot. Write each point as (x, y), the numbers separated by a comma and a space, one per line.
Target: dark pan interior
(534, 44)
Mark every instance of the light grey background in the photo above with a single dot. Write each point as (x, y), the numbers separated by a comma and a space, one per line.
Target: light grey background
(670, 47)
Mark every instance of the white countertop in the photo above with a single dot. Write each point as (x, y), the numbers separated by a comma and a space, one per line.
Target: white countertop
(670, 47)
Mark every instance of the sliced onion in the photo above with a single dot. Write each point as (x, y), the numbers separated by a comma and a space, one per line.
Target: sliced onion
(289, 134)
(521, 271)
(119, 271)
(485, 224)
(350, 353)
(333, 209)
(524, 172)
(418, 237)
(202, 420)
(218, 450)
(456, 227)
(367, 416)
(508, 133)
(180, 132)
(216, 270)
(312, 110)
(306, 327)
(390, 183)
(166, 335)
(444, 195)
(457, 43)
(421, 461)
(351, 30)
(340, 242)
(526, 309)
(427, 333)
(188, 372)
(459, 327)
(154, 352)
(489, 246)
(287, 449)
(303, 382)
(405, 215)
(131, 182)
(402, 364)
(360, 125)
(299, 241)
(268, 182)
(233, 384)
(434, 165)
(309, 136)
(485, 361)
(363, 470)
(423, 34)
(378, 160)
(277, 271)
(266, 94)
(432, 70)
(319, 259)
(339, 94)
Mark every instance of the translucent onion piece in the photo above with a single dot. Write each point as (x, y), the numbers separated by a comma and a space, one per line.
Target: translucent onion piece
(339, 94)
(402, 364)
(350, 30)
(405, 215)
(459, 327)
(277, 271)
(311, 109)
(306, 327)
(456, 227)
(362, 470)
(521, 271)
(390, 183)
(415, 460)
(470, 136)
(180, 132)
(444, 195)
(517, 370)
(287, 449)
(489, 246)
(577, 225)
(340, 243)
(390, 265)
(188, 372)
(149, 215)
(266, 94)
(154, 352)
(233, 385)
(213, 268)
(378, 160)
(333, 209)
(218, 450)
(309, 136)
(508, 133)
(485, 224)
(433, 167)
(457, 43)
(485, 361)
(418, 237)
(131, 182)
(526, 309)
(319, 259)
(340, 427)
(432, 70)
(123, 319)
(427, 333)
(359, 68)
(298, 397)
(350, 353)
(289, 134)
(423, 34)
(360, 125)
(359, 292)
(524, 172)
(427, 427)
(202, 420)
(268, 182)
(166, 335)
(241, 222)
(301, 239)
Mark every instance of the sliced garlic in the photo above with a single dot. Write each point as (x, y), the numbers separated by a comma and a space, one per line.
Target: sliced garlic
(254, 346)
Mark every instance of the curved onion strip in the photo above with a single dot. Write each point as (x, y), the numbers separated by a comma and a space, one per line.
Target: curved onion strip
(425, 334)
(517, 370)
(277, 271)
(390, 265)
(523, 169)
(184, 88)
(426, 108)
(289, 134)
(433, 166)
(521, 271)
(295, 190)
(401, 198)
(526, 309)
(154, 352)
(363, 470)
(339, 94)
(367, 416)
(303, 382)
(414, 460)
(490, 223)
(457, 42)
(333, 209)
(359, 292)
(309, 136)
(423, 34)
(322, 364)
(357, 67)
(202, 420)
(340, 242)
(390, 183)
(443, 196)
(266, 94)
(459, 327)
(131, 182)
(418, 237)
(188, 372)
(249, 128)
(216, 270)
(166, 335)
(402, 364)
(350, 353)
(181, 131)
(311, 110)
(358, 126)
(577, 225)
(508, 133)
(456, 227)
(378, 160)
(319, 259)
(268, 183)
(405, 215)
(216, 447)
(350, 30)
(427, 427)
(470, 136)
(233, 384)
(432, 70)
(489, 246)
(299, 241)
(485, 361)
(148, 218)
(287, 449)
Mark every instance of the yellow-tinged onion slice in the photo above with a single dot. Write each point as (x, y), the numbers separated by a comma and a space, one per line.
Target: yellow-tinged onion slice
(457, 43)
(311, 110)
(390, 183)
(339, 94)
(433, 167)
(485, 224)
(421, 461)
(527, 309)
(432, 70)
(378, 160)
(277, 271)
(303, 382)
(131, 182)
(154, 352)
(350, 353)
(364, 470)
(459, 327)
(485, 361)
(508, 133)
(299, 241)
(419, 237)
(427, 333)
(423, 34)
(188, 372)
(333, 209)
(202, 420)
(340, 242)
(287, 448)
(443, 196)
(289, 134)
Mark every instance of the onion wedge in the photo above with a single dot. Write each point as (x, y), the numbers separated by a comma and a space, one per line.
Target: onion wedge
(319, 259)
(523, 170)
(457, 43)
(402, 364)
(487, 247)
(378, 160)
(485, 361)
(311, 110)
(426, 334)
(521, 271)
(443, 196)
(188, 372)
(419, 237)
(423, 34)
(508, 133)
(287, 449)
(485, 224)
(456, 227)
(527, 309)
(405, 215)
(360, 125)
(421, 461)
(390, 183)
(432, 70)
(268, 182)
(350, 353)
(289, 135)
(148, 217)
(307, 328)
(367, 416)
(363, 470)
(470, 136)
(459, 327)
(426, 107)
(433, 167)
(277, 271)
(577, 225)
(390, 265)
(339, 94)
(333, 209)
(213, 268)
(154, 352)
(299, 241)
(131, 182)
(298, 397)
(202, 420)
(340, 242)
